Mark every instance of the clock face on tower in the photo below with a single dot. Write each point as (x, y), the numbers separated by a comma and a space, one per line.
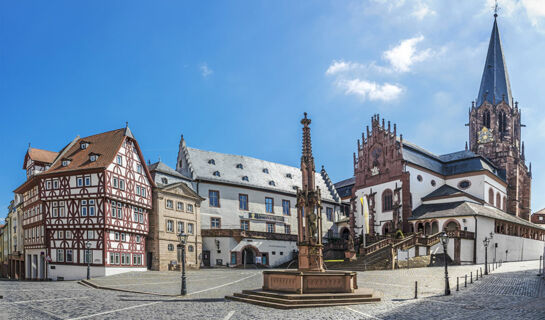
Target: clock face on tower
(485, 136)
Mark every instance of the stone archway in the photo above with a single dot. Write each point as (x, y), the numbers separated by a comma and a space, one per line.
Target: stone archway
(345, 234)
(248, 255)
(434, 227)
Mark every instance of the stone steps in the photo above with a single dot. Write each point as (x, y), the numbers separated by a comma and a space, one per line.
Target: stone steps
(290, 301)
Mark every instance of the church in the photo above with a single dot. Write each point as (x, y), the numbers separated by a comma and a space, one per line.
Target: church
(477, 193)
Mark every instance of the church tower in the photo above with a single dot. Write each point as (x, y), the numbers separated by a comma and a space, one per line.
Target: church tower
(494, 129)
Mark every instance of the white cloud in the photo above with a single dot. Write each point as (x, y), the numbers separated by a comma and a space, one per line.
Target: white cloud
(338, 66)
(535, 10)
(403, 56)
(205, 70)
(370, 90)
(422, 10)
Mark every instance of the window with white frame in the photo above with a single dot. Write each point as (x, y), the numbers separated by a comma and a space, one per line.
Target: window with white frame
(215, 223)
(91, 208)
(79, 181)
(170, 226)
(114, 209)
(180, 226)
(139, 168)
(83, 208)
(121, 184)
(112, 258)
(190, 228)
(190, 208)
(60, 234)
(123, 236)
(55, 212)
(169, 204)
(119, 160)
(138, 238)
(143, 191)
(55, 184)
(138, 190)
(180, 206)
(68, 234)
(87, 180)
(60, 255)
(115, 182)
(90, 234)
(48, 185)
(119, 211)
(116, 236)
(135, 214)
(117, 258)
(141, 215)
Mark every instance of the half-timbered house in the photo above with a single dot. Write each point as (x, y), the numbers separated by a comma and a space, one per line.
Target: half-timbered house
(88, 205)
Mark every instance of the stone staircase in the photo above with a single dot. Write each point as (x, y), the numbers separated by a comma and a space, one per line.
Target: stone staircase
(291, 301)
(381, 254)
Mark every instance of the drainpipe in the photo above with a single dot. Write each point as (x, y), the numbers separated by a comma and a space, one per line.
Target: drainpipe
(475, 242)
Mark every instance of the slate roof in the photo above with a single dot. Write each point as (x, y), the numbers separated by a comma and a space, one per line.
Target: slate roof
(344, 187)
(465, 208)
(450, 163)
(443, 191)
(495, 81)
(162, 167)
(226, 165)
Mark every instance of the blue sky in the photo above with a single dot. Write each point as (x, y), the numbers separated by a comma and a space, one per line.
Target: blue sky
(236, 76)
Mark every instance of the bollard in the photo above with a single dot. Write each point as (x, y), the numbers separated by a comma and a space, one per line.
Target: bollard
(416, 289)
(465, 282)
(481, 272)
(471, 276)
(457, 283)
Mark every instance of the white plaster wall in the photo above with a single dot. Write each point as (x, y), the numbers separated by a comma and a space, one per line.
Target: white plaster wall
(73, 272)
(476, 187)
(268, 246)
(466, 251)
(226, 244)
(380, 216)
(117, 270)
(422, 188)
(231, 215)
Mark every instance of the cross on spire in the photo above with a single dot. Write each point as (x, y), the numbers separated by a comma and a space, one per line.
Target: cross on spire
(496, 8)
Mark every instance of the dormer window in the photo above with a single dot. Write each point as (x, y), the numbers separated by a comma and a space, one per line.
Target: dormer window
(240, 166)
(164, 180)
(271, 183)
(65, 163)
(245, 178)
(288, 175)
(212, 161)
(217, 174)
(83, 145)
(265, 170)
(93, 157)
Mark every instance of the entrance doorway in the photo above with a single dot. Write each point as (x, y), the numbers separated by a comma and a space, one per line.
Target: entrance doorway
(345, 234)
(248, 256)
(149, 260)
(206, 258)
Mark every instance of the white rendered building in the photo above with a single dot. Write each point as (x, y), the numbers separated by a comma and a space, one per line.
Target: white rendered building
(249, 215)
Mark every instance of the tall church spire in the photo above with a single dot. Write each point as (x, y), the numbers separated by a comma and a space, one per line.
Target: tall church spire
(307, 160)
(495, 85)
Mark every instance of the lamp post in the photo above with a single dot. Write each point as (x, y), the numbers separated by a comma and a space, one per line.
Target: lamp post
(486, 242)
(444, 241)
(183, 238)
(88, 246)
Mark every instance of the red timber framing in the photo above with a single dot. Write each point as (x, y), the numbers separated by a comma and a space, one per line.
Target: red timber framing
(75, 205)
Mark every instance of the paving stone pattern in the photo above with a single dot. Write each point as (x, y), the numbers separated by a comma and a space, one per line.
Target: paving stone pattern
(511, 292)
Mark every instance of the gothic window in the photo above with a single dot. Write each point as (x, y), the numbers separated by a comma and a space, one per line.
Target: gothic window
(387, 202)
(486, 119)
(498, 200)
(504, 206)
(502, 122)
(491, 196)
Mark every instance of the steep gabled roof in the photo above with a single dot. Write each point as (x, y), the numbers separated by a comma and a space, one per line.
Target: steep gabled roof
(39, 155)
(105, 144)
(495, 84)
(162, 167)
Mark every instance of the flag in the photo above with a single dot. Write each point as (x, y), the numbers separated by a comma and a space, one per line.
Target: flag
(365, 209)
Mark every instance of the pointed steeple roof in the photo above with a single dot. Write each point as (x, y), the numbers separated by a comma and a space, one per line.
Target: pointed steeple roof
(495, 84)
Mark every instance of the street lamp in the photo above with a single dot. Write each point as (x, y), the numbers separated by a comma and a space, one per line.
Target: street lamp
(486, 241)
(444, 241)
(88, 246)
(182, 237)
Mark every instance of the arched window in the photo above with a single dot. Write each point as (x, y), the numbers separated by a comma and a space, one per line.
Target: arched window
(486, 119)
(504, 206)
(387, 202)
(491, 196)
(217, 173)
(451, 226)
(245, 178)
(498, 200)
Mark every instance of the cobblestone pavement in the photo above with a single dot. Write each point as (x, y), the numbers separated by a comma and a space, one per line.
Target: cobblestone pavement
(510, 292)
